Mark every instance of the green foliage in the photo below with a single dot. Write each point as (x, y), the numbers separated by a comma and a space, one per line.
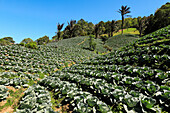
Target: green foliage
(104, 38)
(4, 42)
(160, 19)
(92, 44)
(141, 26)
(42, 40)
(120, 40)
(32, 45)
(9, 39)
(26, 40)
(123, 11)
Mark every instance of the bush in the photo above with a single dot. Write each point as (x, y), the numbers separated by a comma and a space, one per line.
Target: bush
(32, 45)
(43, 40)
(26, 40)
(104, 38)
(4, 42)
(22, 44)
(92, 43)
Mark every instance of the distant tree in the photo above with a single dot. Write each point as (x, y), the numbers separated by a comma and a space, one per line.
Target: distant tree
(32, 45)
(160, 19)
(114, 27)
(134, 22)
(59, 27)
(42, 40)
(9, 39)
(104, 38)
(123, 11)
(101, 27)
(26, 40)
(4, 42)
(54, 37)
(90, 28)
(97, 30)
(71, 28)
(108, 28)
(141, 26)
(83, 27)
(150, 24)
(119, 24)
(127, 24)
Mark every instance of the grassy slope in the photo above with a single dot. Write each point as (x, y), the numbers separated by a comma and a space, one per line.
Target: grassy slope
(120, 40)
(128, 31)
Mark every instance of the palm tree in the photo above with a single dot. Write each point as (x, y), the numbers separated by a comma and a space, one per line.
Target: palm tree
(123, 11)
(59, 27)
(71, 27)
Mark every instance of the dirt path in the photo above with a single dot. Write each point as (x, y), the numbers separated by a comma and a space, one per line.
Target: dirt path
(9, 108)
(82, 42)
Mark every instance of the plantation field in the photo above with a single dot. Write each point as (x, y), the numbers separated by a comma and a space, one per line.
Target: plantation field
(135, 78)
(82, 42)
(119, 41)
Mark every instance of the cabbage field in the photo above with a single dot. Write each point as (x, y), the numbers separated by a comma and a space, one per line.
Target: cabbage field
(135, 78)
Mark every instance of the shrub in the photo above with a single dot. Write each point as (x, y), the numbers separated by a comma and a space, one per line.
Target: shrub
(4, 42)
(92, 43)
(104, 38)
(32, 45)
(26, 40)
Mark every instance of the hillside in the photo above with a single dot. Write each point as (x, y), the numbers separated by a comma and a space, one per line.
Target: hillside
(135, 78)
(82, 42)
(119, 41)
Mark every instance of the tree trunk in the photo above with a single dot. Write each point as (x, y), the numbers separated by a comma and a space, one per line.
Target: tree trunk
(58, 35)
(122, 22)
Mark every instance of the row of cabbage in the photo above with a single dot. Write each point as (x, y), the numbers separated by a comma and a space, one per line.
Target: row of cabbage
(3, 92)
(163, 33)
(114, 90)
(36, 99)
(78, 100)
(44, 60)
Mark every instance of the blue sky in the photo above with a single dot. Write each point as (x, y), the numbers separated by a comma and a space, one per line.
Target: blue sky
(35, 18)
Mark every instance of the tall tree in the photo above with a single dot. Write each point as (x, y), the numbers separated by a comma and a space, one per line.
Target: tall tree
(97, 30)
(113, 26)
(108, 28)
(71, 27)
(83, 26)
(141, 26)
(59, 27)
(127, 24)
(123, 11)
(90, 28)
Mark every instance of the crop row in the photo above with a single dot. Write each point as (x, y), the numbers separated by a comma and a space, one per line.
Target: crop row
(80, 101)
(114, 94)
(35, 100)
(3, 92)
